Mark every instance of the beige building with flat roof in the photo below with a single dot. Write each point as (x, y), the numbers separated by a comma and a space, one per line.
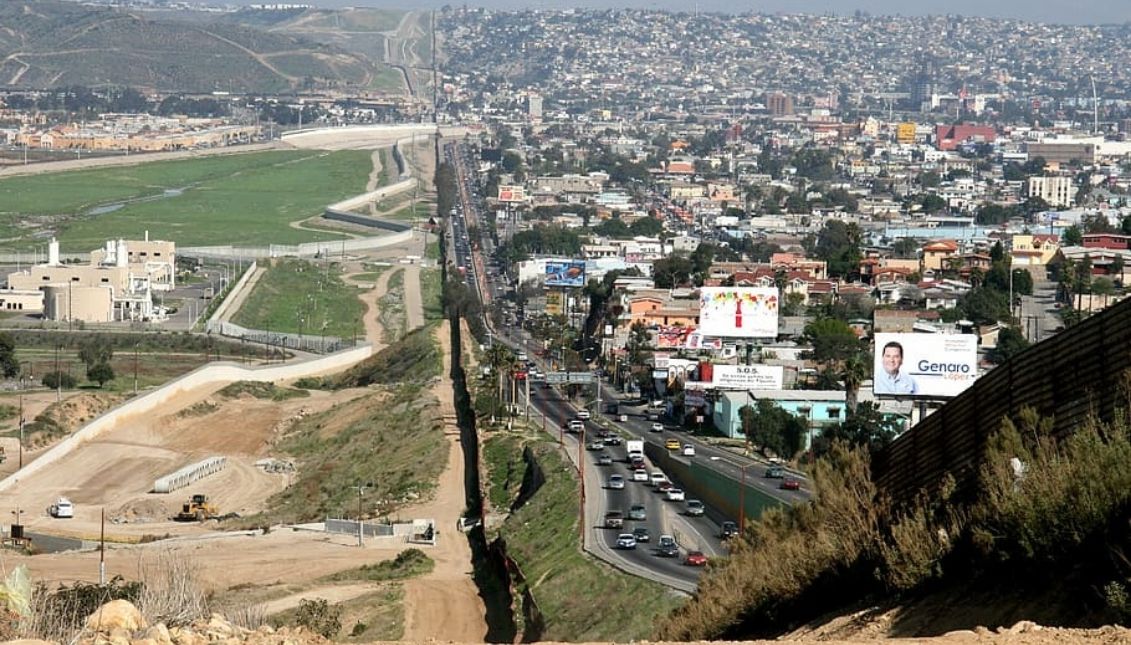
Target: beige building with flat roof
(117, 285)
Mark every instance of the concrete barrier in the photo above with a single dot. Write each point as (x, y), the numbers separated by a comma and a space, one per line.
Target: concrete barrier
(214, 374)
(189, 474)
(304, 250)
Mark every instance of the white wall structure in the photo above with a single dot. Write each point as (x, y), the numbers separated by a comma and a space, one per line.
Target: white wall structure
(211, 375)
(189, 474)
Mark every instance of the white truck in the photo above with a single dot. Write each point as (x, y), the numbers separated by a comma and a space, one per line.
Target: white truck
(634, 446)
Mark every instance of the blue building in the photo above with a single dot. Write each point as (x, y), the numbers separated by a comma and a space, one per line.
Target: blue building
(820, 407)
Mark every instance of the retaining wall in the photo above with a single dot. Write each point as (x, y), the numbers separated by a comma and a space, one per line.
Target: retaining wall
(307, 249)
(372, 196)
(214, 374)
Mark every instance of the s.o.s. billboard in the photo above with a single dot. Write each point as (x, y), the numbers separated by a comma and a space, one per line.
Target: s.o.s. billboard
(742, 312)
(939, 365)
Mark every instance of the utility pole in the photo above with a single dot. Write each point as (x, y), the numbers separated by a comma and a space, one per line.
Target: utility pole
(581, 489)
(21, 450)
(135, 367)
(360, 490)
(102, 551)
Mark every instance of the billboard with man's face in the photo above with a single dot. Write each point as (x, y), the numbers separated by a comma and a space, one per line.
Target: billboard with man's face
(742, 312)
(565, 273)
(939, 365)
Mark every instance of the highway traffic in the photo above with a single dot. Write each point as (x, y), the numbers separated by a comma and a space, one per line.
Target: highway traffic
(546, 406)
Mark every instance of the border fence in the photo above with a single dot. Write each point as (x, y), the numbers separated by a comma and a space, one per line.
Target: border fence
(1069, 377)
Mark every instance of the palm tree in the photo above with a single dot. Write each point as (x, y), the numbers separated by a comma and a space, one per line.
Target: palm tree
(853, 372)
(500, 358)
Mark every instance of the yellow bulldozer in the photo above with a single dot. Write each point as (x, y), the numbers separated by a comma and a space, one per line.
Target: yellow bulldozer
(197, 509)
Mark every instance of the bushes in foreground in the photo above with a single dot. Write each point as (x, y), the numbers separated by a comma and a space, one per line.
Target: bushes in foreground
(1045, 511)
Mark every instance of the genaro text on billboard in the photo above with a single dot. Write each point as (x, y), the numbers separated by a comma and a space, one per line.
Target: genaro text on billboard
(512, 194)
(742, 312)
(565, 273)
(939, 365)
(747, 377)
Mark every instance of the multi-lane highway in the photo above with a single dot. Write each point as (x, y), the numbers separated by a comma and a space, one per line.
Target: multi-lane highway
(549, 408)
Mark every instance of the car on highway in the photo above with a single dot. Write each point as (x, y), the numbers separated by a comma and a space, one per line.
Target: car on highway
(640, 475)
(614, 519)
(672, 444)
(790, 483)
(656, 477)
(595, 445)
(641, 534)
(604, 459)
(728, 530)
(657, 427)
(775, 472)
(664, 486)
(613, 440)
(626, 541)
(667, 547)
(616, 482)
(638, 512)
(583, 415)
(674, 495)
(688, 450)
(695, 508)
(695, 559)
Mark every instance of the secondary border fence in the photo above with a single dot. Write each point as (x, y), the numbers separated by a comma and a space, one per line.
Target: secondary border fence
(1071, 376)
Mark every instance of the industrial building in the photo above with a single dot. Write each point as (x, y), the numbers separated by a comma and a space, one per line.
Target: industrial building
(118, 284)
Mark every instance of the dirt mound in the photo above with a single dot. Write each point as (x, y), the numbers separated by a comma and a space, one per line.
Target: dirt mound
(141, 511)
(62, 418)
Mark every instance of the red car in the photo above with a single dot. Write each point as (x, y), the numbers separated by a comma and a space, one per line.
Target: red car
(695, 559)
(790, 483)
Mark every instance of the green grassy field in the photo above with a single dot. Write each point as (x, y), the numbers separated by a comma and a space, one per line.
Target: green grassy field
(227, 199)
(299, 297)
(388, 79)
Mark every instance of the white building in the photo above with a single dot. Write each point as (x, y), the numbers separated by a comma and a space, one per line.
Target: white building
(1057, 191)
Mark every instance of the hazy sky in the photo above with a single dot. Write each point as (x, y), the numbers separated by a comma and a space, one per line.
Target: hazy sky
(1060, 11)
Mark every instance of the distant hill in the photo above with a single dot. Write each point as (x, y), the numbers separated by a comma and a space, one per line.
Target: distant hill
(49, 43)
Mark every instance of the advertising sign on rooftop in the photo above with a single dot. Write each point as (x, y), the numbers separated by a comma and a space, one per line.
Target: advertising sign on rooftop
(565, 273)
(512, 194)
(742, 312)
(939, 365)
(747, 377)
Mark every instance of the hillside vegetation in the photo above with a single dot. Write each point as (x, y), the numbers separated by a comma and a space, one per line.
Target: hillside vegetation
(47, 43)
(1043, 536)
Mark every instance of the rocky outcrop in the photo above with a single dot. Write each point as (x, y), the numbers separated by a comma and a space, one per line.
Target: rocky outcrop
(120, 623)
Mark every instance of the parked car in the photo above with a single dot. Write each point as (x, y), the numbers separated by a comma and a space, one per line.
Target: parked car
(626, 541)
(640, 475)
(62, 508)
(616, 482)
(789, 483)
(728, 530)
(672, 444)
(657, 427)
(695, 508)
(637, 513)
(614, 519)
(695, 559)
(604, 459)
(775, 472)
(675, 495)
(667, 547)
(641, 534)
(688, 450)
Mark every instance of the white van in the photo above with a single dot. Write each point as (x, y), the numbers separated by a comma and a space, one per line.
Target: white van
(62, 508)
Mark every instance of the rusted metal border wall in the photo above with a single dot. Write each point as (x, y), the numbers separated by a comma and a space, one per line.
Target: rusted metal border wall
(1070, 376)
